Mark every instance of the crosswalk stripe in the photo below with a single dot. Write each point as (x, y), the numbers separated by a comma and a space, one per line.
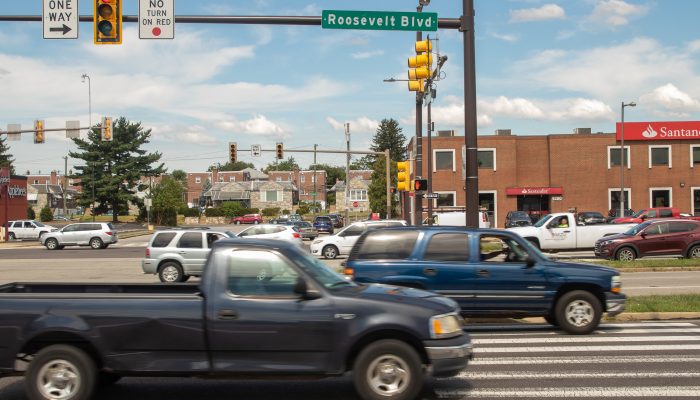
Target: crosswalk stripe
(575, 392)
(645, 359)
(574, 375)
(602, 327)
(599, 332)
(552, 349)
(588, 339)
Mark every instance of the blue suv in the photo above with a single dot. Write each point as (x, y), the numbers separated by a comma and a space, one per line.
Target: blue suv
(324, 224)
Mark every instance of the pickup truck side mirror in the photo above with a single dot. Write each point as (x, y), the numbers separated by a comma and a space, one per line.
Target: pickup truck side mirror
(302, 289)
(529, 262)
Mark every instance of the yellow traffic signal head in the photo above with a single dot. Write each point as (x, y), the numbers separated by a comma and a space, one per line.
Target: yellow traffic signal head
(421, 60)
(39, 131)
(106, 129)
(402, 176)
(232, 152)
(424, 46)
(280, 151)
(416, 86)
(402, 165)
(108, 21)
(418, 73)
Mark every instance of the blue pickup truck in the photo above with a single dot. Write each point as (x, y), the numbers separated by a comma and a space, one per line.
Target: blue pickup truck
(262, 309)
(489, 272)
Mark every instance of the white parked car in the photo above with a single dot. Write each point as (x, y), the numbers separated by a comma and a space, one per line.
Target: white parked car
(341, 243)
(27, 229)
(288, 233)
(97, 235)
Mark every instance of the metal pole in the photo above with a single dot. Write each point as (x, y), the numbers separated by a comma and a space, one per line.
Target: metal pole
(471, 196)
(314, 178)
(89, 99)
(150, 203)
(93, 192)
(418, 199)
(387, 158)
(622, 162)
(65, 184)
(430, 163)
(347, 172)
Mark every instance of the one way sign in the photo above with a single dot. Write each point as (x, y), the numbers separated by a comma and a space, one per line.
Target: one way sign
(60, 19)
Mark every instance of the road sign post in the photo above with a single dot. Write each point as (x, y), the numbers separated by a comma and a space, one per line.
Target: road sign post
(156, 19)
(60, 19)
(379, 20)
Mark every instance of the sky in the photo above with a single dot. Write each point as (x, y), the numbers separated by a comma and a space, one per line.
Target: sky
(542, 67)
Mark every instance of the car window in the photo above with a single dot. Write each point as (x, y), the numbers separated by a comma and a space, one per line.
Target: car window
(501, 249)
(666, 212)
(447, 247)
(651, 214)
(162, 239)
(110, 226)
(260, 274)
(278, 229)
(71, 228)
(28, 225)
(354, 230)
(213, 237)
(190, 240)
(387, 245)
(657, 229)
(677, 227)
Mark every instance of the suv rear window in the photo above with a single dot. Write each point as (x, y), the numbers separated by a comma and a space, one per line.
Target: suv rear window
(387, 245)
(190, 240)
(448, 247)
(162, 239)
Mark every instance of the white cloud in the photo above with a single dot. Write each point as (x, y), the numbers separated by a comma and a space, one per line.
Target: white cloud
(361, 124)
(368, 54)
(546, 12)
(671, 98)
(258, 125)
(505, 37)
(694, 46)
(615, 12)
(518, 107)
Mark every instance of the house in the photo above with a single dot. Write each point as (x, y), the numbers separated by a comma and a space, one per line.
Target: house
(358, 199)
(254, 194)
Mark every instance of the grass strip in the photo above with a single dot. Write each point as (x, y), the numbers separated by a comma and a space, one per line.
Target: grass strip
(664, 303)
(649, 263)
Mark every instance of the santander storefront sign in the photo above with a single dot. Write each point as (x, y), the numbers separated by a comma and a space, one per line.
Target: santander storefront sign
(675, 130)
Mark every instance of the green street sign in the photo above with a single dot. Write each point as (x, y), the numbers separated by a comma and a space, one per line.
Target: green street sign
(379, 20)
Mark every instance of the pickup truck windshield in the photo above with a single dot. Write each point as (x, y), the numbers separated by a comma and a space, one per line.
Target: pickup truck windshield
(543, 220)
(320, 271)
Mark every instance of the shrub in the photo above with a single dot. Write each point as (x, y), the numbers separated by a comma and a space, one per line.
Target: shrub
(46, 214)
(270, 212)
(165, 216)
(214, 212)
(190, 212)
(234, 209)
(303, 209)
(285, 211)
(30, 213)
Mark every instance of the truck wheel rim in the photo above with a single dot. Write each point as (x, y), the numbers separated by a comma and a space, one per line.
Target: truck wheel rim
(626, 255)
(695, 253)
(58, 379)
(388, 375)
(170, 274)
(580, 313)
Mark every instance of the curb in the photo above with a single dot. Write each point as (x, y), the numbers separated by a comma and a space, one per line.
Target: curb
(641, 316)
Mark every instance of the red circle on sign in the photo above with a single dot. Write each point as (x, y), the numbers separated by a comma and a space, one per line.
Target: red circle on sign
(355, 204)
(156, 31)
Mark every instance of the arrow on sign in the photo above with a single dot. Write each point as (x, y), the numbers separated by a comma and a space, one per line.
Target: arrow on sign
(65, 29)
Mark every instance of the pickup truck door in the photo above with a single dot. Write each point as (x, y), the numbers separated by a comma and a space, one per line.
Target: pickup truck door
(256, 323)
(504, 281)
(559, 238)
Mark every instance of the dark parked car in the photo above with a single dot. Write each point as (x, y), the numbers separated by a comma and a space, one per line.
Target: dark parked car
(590, 218)
(614, 213)
(517, 218)
(305, 228)
(337, 220)
(652, 238)
(324, 224)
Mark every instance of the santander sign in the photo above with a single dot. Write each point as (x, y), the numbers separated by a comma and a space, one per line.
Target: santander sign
(675, 130)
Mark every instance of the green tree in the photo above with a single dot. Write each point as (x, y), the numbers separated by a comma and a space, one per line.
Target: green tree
(388, 136)
(229, 166)
(46, 214)
(205, 188)
(333, 174)
(377, 189)
(5, 159)
(286, 165)
(180, 176)
(167, 200)
(116, 166)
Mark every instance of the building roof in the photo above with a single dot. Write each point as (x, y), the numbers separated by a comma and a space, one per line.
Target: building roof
(241, 190)
(254, 174)
(340, 185)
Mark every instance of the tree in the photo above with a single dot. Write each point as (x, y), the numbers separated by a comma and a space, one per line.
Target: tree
(377, 189)
(180, 176)
(388, 136)
(237, 166)
(5, 159)
(167, 199)
(205, 188)
(286, 165)
(333, 174)
(116, 165)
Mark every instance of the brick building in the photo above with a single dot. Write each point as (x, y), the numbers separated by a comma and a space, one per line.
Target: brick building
(554, 173)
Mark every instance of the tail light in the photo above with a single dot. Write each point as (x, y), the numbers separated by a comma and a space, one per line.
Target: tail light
(148, 252)
(296, 235)
(349, 272)
(109, 233)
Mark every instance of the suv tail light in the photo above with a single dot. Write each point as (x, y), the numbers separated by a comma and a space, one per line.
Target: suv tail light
(109, 233)
(296, 235)
(148, 252)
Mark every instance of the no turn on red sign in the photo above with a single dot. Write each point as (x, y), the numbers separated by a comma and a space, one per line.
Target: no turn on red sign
(156, 19)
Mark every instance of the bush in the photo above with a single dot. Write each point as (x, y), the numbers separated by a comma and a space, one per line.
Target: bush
(46, 214)
(285, 211)
(190, 212)
(270, 212)
(303, 209)
(30, 213)
(164, 216)
(214, 212)
(234, 209)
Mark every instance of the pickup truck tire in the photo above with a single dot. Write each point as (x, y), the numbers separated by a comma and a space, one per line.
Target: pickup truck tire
(171, 272)
(61, 372)
(330, 251)
(11, 236)
(388, 370)
(578, 312)
(626, 254)
(96, 243)
(52, 244)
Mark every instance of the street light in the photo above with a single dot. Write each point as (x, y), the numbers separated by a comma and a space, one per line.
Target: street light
(83, 76)
(622, 156)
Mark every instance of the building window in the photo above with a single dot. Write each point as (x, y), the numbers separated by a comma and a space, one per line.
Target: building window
(694, 156)
(614, 156)
(358, 194)
(445, 199)
(660, 197)
(660, 156)
(231, 178)
(197, 180)
(278, 179)
(303, 178)
(444, 160)
(614, 199)
(272, 195)
(36, 181)
(486, 158)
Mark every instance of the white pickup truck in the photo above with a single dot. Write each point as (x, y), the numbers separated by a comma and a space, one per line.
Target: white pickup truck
(550, 234)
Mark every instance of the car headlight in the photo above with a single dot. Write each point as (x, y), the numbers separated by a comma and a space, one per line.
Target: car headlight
(317, 241)
(615, 284)
(607, 242)
(445, 326)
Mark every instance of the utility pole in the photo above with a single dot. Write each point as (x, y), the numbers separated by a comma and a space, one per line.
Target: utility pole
(65, 184)
(471, 184)
(418, 199)
(347, 172)
(314, 178)
(387, 157)
(93, 191)
(430, 162)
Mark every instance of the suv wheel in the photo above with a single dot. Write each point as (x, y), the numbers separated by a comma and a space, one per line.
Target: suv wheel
(330, 252)
(96, 243)
(51, 244)
(694, 252)
(388, 370)
(171, 272)
(238, 222)
(11, 236)
(626, 254)
(578, 312)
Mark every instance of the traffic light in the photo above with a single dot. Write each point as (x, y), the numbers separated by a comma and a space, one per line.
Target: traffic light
(420, 185)
(420, 66)
(280, 151)
(39, 131)
(106, 129)
(108, 21)
(232, 152)
(402, 176)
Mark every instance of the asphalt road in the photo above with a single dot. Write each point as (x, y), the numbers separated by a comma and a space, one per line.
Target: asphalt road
(621, 360)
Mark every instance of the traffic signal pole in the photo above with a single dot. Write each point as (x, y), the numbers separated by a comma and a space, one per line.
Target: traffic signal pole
(471, 186)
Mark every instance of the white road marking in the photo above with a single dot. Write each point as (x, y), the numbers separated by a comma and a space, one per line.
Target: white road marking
(574, 375)
(588, 339)
(582, 360)
(599, 332)
(575, 392)
(565, 349)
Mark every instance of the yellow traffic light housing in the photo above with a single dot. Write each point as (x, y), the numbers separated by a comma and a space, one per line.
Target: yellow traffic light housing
(420, 66)
(39, 132)
(280, 151)
(108, 21)
(232, 152)
(402, 176)
(106, 129)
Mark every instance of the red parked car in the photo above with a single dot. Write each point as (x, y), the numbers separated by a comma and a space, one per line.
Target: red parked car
(679, 237)
(649, 213)
(248, 219)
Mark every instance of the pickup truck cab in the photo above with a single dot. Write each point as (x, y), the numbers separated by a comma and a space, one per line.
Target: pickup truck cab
(490, 273)
(263, 308)
(550, 233)
(649, 213)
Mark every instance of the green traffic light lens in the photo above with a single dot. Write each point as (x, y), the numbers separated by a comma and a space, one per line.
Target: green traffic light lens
(105, 28)
(105, 11)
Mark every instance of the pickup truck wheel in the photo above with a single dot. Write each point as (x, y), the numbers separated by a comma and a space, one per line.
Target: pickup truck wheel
(578, 312)
(330, 252)
(388, 370)
(626, 254)
(96, 243)
(61, 372)
(11, 236)
(694, 252)
(51, 244)
(170, 272)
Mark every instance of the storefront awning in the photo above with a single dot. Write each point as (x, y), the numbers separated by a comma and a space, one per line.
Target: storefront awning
(533, 191)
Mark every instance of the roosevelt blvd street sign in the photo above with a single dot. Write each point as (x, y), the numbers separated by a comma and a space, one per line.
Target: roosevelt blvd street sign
(60, 18)
(379, 20)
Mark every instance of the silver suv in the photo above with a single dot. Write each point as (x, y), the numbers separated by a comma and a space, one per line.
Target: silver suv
(98, 235)
(177, 254)
(27, 229)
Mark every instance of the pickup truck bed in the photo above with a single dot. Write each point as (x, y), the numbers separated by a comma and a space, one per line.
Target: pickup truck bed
(92, 288)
